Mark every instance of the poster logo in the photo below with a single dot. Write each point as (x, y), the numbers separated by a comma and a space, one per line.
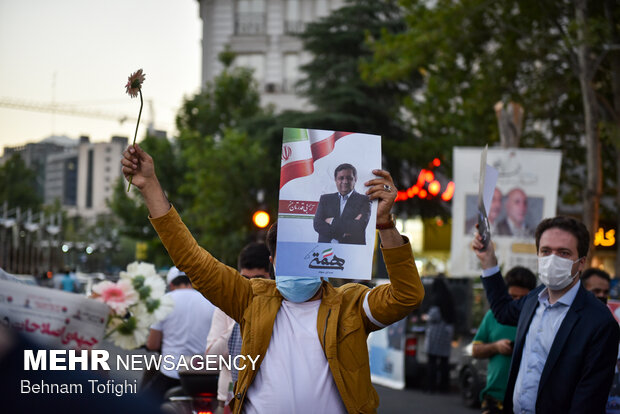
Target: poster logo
(327, 259)
(286, 152)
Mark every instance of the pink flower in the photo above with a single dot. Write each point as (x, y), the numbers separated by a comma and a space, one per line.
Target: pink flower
(118, 296)
(134, 83)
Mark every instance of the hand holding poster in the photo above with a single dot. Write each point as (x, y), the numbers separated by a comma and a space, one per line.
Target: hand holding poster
(486, 187)
(326, 222)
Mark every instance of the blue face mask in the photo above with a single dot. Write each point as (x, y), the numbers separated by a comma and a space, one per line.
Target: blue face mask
(298, 289)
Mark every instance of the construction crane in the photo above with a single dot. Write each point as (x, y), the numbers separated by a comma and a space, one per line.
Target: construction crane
(68, 109)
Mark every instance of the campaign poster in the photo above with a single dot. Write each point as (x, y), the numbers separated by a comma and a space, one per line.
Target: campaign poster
(326, 222)
(525, 193)
(53, 318)
(386, 352)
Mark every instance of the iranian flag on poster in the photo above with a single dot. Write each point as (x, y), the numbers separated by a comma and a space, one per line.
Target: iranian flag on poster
(309, 160)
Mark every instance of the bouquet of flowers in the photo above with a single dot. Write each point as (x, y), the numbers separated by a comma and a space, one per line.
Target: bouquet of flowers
(136, 301)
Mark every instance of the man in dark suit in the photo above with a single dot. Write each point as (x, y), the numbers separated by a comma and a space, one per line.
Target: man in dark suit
(342, 217)
(567, 341)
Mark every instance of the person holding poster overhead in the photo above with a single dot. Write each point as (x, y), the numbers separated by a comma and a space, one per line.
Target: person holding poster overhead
(342, 217)
(307, 337)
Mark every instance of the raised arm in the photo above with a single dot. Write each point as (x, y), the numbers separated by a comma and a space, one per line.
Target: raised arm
(391, 302)
(505, 309)
(378, 190)
(221, 285)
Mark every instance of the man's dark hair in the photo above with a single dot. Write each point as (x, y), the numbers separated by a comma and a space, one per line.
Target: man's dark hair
(522, 277)
(593, 271)
(569, 224)
(254, 256)
(181, 280)
(345, 167)
(272, 238)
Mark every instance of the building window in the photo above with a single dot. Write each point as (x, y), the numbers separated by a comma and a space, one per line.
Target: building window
(89, 180)
(250, 17)
(254, 61)
(293, 22)
(291, 72)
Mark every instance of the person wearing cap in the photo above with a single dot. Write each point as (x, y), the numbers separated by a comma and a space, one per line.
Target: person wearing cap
(183, 332)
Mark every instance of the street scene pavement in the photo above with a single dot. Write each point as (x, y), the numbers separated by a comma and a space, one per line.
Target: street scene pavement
(415, 400)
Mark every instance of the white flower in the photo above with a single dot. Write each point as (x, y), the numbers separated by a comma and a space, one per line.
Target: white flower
(139, 269)
(133, 336)
(138, 300)
(157, 285)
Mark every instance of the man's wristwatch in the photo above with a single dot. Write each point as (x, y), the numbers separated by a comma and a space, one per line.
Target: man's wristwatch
(387, 225)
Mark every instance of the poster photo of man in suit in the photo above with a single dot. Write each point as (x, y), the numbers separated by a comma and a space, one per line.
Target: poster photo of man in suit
(342, 217)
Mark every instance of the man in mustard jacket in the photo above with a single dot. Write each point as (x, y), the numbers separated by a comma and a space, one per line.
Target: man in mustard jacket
(309, 337)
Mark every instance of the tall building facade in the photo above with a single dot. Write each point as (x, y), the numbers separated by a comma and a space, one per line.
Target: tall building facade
(262, 34)
(61, 174)
(98, 169)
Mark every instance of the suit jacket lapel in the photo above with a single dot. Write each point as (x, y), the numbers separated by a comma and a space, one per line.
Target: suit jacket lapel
(571, 318)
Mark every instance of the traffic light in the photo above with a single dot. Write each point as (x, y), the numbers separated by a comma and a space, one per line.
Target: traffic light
(261, 219)
(141, 250)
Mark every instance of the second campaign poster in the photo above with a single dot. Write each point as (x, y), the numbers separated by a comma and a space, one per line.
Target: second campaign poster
(526, 192)
(326, 223)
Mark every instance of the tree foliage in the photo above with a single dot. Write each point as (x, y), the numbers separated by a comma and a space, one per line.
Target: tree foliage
(473, 53)
(343, 100)
(229, 172)
(17, 184)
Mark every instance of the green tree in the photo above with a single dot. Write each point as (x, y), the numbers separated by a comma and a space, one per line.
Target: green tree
(344, 100)
(229, 172)
(17, 184)
(550, 56)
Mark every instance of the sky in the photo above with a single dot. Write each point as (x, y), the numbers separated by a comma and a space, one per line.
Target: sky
(80, 53)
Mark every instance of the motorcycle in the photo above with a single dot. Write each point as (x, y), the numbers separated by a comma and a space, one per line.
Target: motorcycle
(196, 395)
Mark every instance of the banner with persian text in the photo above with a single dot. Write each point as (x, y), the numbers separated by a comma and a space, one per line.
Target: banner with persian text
(53, 318)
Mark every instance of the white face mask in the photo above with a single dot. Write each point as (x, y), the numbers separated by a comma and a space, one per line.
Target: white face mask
(555, 271)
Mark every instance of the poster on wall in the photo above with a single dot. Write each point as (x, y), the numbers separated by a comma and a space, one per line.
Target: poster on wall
(326, 223)
(525, 193)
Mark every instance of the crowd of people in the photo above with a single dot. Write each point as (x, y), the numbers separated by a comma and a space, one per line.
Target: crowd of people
(551, 341)
(552, 347)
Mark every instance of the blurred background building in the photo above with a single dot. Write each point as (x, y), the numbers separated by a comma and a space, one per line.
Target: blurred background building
(262, 35)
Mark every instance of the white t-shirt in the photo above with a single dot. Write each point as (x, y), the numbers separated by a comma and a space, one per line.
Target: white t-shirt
(185, 329)
(294, 377)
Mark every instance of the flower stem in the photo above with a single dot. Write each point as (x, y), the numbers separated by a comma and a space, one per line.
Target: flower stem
(136, 133)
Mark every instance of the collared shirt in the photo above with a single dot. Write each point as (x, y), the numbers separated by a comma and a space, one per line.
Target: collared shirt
(234, 349)
(538, 342)
(343, 200)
